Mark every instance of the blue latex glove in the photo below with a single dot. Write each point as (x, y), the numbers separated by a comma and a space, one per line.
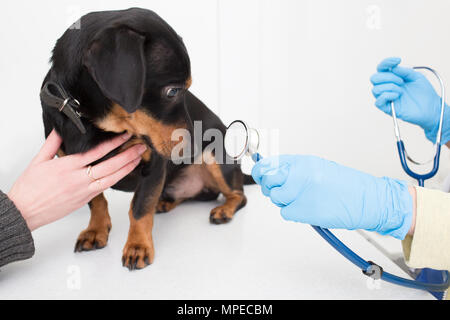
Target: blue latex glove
(415, 99)
(323, 193)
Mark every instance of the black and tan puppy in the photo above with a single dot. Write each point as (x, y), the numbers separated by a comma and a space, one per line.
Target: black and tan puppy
(130, 72)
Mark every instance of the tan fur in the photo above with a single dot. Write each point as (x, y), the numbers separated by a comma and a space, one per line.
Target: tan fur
(189, 83)
(60, 153)
(139, 250)
(141, 124)
(166, 206)
(97, 232)
(233, 198)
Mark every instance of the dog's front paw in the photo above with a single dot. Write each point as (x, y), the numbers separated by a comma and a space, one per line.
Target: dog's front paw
(221, 215)
(92, 239)
(137, 256)
(165, 206)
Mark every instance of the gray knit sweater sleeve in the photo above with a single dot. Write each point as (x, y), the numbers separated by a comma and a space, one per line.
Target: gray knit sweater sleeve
(16, 242)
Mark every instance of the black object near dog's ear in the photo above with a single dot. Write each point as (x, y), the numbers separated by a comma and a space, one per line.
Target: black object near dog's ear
(116, 62)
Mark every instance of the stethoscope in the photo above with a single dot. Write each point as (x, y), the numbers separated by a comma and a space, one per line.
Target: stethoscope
(241, 140)
(404, 157)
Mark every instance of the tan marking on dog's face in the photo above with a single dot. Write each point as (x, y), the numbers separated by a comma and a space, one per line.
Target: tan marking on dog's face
(141, 124)
(189, 83)
(60, 153)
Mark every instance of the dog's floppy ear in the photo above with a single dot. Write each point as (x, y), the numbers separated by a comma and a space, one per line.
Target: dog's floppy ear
(116, 61)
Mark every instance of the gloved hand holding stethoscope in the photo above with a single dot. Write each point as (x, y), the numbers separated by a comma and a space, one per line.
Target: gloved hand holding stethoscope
(322, 193)
(325, 194)
(415, 99)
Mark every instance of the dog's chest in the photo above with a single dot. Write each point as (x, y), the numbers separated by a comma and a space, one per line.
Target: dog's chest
(188, 183)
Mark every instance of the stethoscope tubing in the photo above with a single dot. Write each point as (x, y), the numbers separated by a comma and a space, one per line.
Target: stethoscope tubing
(419, 177)
(365, 265)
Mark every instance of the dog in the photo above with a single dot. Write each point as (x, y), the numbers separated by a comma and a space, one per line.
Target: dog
(129, 71)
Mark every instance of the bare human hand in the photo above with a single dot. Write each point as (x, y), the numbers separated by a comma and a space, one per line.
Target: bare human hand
(51, 188)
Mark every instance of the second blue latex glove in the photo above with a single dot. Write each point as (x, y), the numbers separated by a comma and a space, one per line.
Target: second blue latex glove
(415, 99)
(323, 193)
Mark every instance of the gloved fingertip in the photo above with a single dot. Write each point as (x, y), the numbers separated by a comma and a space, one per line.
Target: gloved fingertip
(280, 196)
(386, 108)
(286, 213)
(375, 92)
(384, 101)
(374, 78)
(389, 63)
(395, 61)
(431, 136)
(265, 191)
(267, 166)
(256, 174)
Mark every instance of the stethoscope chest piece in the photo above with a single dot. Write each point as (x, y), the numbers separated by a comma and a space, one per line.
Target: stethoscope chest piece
(241, 140)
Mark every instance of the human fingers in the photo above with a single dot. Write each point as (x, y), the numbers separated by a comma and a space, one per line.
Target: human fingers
(305, 172)
(50, 147)
(101, 150)
(274, 178)
(117, 162)
(98, 186)
(267, 165)
(287, 193)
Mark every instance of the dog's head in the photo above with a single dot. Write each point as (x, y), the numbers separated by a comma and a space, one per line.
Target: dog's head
(140, 65)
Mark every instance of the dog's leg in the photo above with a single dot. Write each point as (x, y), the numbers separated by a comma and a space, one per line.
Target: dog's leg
(139, 251)
(231, 186)
(96, 234)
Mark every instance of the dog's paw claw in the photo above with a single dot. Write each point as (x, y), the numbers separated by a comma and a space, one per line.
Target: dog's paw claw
(220, 215)
(137, 257)
(89, 240)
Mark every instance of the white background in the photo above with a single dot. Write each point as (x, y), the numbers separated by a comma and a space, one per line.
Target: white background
(300, 67)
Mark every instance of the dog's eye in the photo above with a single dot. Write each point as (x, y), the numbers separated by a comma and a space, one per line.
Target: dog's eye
(173, 92)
